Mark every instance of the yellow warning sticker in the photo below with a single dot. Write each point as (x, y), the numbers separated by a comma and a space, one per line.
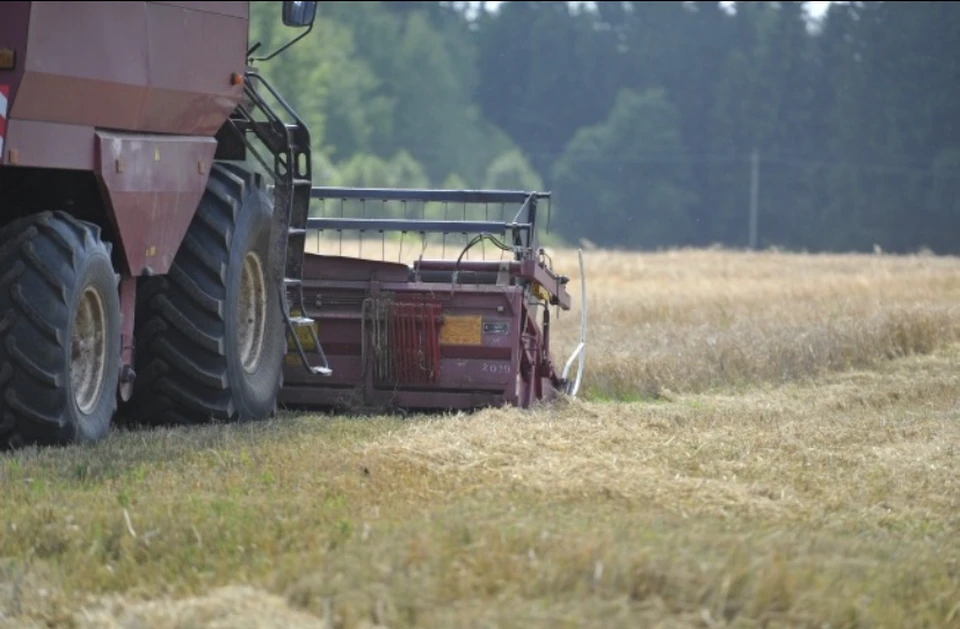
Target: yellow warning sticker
(464, 330)
(306, 338)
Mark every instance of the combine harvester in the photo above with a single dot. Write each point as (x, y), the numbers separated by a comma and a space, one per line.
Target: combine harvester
(149, 269)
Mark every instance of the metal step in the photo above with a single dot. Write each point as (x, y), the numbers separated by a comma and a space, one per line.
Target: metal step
(286, 141)
(294, 322)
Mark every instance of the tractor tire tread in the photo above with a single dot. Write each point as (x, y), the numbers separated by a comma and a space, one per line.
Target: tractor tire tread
(182, 378)
(33, 385)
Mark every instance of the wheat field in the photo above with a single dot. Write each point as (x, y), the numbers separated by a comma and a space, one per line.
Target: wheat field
(762, 440)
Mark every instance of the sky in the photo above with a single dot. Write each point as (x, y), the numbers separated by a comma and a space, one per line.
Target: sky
(817, 9)
(814, 9)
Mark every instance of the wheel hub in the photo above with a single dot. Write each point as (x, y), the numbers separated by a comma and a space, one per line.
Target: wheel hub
(251, 312)
(88, 350)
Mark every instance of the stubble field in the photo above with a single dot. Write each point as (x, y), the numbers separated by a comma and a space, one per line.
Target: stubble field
(765, 440)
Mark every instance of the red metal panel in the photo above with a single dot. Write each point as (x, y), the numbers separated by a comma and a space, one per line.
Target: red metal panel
(134, 66)
(320, 267)
(232, 9)
(192, 55)
(49, 145)
(14, 18)
(77, 101)
(86, 64)
(154, 184)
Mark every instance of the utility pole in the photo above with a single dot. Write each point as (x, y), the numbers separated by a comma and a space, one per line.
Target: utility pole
(754, 196)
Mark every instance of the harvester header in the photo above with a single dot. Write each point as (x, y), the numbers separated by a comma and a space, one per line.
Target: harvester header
(437, 333)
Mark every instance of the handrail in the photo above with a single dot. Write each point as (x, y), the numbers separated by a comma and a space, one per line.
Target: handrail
(414, 225)
(426, 195)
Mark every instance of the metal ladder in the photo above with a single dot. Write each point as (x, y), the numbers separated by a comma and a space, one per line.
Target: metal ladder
(290, 145)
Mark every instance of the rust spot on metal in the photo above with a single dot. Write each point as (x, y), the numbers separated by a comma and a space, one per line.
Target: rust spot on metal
(8, 58)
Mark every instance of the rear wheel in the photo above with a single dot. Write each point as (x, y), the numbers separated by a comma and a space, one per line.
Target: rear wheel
(59, 332)
(210, 337)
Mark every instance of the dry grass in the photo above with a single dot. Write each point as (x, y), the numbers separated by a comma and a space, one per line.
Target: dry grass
(762, 488)
(695, 320)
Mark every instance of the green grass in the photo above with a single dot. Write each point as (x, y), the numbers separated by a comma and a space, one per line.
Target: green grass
(825, 504)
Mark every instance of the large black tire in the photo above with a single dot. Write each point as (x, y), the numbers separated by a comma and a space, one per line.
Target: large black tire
(189, 357)
(54, 272)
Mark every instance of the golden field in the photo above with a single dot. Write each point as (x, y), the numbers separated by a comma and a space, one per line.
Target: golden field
(764, 440)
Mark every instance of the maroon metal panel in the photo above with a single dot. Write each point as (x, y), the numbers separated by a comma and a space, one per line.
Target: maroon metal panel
(232, 9)
(320, 267)
(154, 184)
(192, 55)
(48, 145)
(14, 20)
(410, 361)
(134, 66)
(86, 63)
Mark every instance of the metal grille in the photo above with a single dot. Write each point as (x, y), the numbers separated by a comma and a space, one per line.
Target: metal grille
(404, 341)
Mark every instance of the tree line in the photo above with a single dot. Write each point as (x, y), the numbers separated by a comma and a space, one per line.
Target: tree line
(642, 118)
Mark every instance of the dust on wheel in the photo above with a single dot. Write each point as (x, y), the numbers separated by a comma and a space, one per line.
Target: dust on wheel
(88, 356)
(252, 311)
(59, 332)
(210, 337)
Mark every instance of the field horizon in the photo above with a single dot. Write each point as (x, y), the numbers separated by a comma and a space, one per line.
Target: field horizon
(763, 439)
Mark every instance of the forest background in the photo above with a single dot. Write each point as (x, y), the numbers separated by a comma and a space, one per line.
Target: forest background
(654, 124)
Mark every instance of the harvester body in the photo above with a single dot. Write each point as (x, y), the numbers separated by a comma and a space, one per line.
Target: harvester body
(155, 195)
(128, 96)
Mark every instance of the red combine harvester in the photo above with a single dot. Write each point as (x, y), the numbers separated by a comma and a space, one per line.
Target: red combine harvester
(155, 195)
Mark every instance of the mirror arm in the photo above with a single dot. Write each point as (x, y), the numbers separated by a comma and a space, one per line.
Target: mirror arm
(285, 46)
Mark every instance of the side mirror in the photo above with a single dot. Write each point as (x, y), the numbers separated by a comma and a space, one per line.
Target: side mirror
(299, 13)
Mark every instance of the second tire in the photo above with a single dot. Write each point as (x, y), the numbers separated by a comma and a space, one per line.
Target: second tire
(210, 334)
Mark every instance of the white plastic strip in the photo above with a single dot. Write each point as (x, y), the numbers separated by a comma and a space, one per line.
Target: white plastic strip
(580, 350)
